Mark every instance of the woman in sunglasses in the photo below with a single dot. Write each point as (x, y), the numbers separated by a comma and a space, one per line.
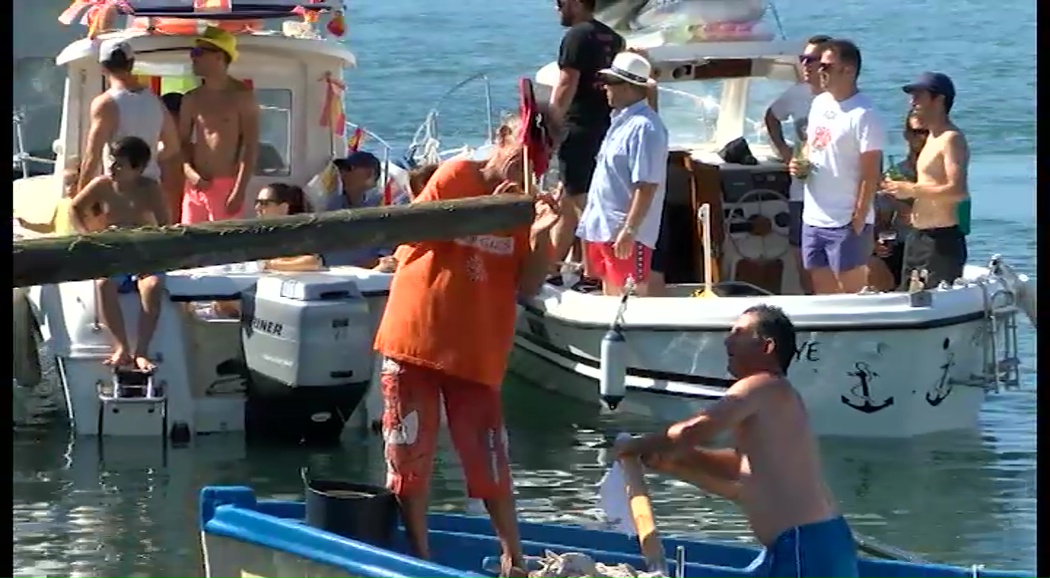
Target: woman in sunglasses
(893, 216)
(281, 200)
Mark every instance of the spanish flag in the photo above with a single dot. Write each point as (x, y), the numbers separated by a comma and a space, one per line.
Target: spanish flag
(354, 142)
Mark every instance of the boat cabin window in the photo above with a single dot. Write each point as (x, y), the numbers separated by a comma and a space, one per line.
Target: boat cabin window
(39, 111)
(692, 103)
(275, 110)
(275, 132)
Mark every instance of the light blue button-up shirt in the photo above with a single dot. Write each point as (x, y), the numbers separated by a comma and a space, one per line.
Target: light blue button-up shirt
(634, 151)
(372, 198)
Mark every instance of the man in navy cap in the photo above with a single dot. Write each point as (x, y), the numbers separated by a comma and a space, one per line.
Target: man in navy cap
(359, 187)
(941, 213)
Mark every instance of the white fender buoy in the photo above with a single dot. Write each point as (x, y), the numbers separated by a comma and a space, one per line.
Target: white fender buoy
(613, 358)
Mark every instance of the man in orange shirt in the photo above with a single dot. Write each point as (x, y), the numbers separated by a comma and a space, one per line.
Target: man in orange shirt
(446, 332)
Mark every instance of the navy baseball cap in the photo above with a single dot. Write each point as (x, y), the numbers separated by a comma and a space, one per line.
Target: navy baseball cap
(936, 83)
(357, 160)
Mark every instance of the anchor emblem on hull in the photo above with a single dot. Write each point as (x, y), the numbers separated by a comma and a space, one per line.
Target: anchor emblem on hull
(944, 386)
(862, 390)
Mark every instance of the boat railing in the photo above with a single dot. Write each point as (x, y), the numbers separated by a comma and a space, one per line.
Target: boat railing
(426, 144)
(22, 158)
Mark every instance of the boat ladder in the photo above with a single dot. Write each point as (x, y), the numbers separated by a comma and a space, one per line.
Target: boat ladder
(1000, 362)
(133, 404)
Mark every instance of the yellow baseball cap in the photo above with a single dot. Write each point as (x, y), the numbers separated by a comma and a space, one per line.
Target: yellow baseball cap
(220, 39)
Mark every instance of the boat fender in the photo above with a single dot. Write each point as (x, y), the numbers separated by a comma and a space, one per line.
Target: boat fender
(613, 359)
(180, 433)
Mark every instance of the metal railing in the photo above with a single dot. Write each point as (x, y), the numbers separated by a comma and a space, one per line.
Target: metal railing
(426, 145)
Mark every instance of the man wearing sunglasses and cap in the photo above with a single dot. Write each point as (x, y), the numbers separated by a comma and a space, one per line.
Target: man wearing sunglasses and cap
(358, 187)
(219, 129)
(621, 221)
(940, 217)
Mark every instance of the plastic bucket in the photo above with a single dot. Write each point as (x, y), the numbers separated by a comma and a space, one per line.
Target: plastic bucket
(360, 512)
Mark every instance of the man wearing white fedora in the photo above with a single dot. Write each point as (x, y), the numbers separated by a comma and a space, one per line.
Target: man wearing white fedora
(621, 221)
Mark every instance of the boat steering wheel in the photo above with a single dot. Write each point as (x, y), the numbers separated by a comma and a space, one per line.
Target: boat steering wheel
(760, 224)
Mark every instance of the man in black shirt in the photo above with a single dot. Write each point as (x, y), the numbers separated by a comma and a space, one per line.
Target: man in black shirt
(579, 103)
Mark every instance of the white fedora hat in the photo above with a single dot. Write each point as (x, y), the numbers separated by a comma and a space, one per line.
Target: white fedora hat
(630, 67)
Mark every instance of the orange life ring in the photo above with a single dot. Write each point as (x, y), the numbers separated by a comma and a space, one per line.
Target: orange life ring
(189, 27)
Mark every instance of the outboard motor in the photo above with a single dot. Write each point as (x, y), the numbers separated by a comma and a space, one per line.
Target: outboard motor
(308, 350)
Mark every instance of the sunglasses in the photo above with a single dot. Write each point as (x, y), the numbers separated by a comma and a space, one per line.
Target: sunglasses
(808, 59)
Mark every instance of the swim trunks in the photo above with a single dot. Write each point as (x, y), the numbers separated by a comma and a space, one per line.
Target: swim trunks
(821, 549)
(208, 205)
(128, 283)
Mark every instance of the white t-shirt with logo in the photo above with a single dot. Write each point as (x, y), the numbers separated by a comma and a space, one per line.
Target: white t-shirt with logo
(837, 134)
(794, 103)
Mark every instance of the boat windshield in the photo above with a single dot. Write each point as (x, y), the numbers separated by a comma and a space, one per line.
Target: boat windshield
(690, 110)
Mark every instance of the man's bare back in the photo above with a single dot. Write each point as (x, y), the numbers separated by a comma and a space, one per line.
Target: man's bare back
(781, 482)
(937, 211)
(106, 203)
(212, 127)
(774, 471)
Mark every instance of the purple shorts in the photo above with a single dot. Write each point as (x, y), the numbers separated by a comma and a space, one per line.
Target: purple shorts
(836, 248)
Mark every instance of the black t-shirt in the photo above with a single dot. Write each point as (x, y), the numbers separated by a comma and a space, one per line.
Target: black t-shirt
(589, 47)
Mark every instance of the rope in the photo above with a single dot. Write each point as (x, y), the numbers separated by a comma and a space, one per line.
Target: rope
(575, 564)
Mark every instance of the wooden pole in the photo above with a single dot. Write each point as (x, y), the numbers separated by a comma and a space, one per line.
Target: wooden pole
(47, 260)
(642, 514)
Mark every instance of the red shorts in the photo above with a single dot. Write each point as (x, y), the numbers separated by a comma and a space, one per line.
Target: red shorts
(411, 417)
(603, 264)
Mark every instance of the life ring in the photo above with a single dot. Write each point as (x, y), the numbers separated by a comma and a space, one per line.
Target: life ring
(192, 27)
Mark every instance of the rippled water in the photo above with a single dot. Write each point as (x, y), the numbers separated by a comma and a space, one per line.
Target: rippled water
(127, 508)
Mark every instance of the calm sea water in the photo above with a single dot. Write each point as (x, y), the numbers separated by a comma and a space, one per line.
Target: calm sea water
(127, 508)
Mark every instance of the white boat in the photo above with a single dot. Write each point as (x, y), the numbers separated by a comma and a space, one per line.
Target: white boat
(868, 365)
(299, 360)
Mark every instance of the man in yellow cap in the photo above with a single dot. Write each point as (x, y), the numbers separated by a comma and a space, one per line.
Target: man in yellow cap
(219, 128)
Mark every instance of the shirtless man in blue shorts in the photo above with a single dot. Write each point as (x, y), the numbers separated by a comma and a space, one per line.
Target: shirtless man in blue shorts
(773, 470)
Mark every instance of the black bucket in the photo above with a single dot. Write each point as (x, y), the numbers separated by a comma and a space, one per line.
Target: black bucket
(356, 511)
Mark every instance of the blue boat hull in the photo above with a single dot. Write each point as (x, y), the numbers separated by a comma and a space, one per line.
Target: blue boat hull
(246, 537)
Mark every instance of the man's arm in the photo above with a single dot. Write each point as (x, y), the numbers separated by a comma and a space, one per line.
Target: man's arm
(872, 139)
(169, 140)
(570, 61)
(85, 198)
(186, 116)
(775, 114)
(716, 471)
(536, 265)
(739, 402)
(103, 125)
(160, 205)
(648, 171)
(956, 168)
(249, 113)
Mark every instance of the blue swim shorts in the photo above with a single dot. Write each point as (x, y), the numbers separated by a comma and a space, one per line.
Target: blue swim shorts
(818, 550)
(128, 283)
